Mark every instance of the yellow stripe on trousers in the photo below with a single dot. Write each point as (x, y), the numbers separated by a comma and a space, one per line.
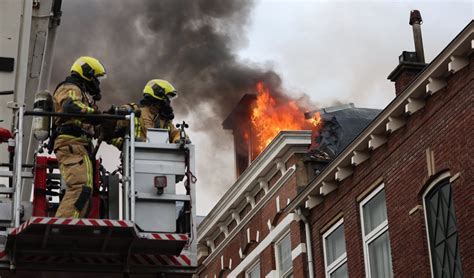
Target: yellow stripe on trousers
(89, 174)
(89, 171)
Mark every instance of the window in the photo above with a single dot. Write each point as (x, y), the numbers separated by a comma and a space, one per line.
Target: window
(335, 256)
(254, 271)
(442, 229)
(283, 253)
(378, 258)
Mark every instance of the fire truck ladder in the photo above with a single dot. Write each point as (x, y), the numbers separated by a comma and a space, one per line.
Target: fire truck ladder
(148, 226)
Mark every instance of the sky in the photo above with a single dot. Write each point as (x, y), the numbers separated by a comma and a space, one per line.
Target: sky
(334, 51)
(330, 51)
(344, 50)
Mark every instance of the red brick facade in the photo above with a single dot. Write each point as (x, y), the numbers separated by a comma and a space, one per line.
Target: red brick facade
(436, 139)
(268, 214)
(445, 127)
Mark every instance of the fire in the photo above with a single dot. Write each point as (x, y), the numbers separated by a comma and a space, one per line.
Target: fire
(246, 136)
(316, 120)
(270, 116)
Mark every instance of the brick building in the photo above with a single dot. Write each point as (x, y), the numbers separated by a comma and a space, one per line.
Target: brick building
(394, 200)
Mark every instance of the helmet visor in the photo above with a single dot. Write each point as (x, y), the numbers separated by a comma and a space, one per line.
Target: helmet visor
(172, 95)
(102, 77)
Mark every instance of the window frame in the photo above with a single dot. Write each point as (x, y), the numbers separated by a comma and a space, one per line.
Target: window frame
(374, 234)
(252, 267)
(277, 257)
(428, 190)
(329, 269)
(425, 214)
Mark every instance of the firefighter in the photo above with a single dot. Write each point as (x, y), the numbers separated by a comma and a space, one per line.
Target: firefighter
(154, 111)
(73, 136)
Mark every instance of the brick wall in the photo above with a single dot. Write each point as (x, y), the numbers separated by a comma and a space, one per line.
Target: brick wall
(445, 126)
(259, 223)
(405, 78)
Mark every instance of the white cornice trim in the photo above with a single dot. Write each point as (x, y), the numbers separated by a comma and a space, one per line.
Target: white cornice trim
(461, 46)
(289, 172)
(298, 250)
(265, 161)
(277, 232)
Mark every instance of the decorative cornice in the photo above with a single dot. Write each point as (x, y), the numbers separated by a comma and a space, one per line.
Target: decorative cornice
(409, 101)
(262, 164)
(246, 219)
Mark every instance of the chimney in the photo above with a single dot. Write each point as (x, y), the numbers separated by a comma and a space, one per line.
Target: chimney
(410, 63)
(240, 123)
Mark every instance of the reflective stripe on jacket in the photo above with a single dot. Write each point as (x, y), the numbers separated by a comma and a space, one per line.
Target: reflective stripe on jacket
(68, 98)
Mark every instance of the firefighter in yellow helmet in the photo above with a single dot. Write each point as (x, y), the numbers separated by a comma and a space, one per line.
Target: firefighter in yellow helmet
(73, 136)
(154, 111)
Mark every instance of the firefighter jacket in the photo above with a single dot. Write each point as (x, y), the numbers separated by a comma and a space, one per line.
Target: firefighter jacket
(149, 118)
(73, 147)
(69, 98)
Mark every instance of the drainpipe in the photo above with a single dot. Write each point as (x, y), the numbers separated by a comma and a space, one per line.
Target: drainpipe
(309, 249)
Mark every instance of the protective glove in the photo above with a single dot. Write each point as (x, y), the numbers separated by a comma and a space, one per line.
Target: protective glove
(111, 110)
(123, 110)
(166, 111)
(96, 109)
(94, 120)
(108, 129)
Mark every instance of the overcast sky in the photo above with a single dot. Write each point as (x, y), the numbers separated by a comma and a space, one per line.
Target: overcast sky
(333, 51)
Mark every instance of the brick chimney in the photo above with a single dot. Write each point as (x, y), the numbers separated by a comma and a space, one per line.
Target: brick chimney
(410, 63)
(239, 122)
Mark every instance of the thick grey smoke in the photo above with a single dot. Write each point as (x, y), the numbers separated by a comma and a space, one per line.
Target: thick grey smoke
(190, 43)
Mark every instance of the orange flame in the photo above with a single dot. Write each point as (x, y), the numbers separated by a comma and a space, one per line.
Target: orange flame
(316, 120)
(246, 136)
(270, 116)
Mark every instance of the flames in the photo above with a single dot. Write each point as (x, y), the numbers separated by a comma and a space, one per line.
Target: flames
(316, 121)
(269, 116)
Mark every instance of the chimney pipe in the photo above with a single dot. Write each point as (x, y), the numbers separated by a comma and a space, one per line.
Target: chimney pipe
(410, 63)
(415, 22)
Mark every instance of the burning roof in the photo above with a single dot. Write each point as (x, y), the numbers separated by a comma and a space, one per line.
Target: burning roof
(258, 118)
(341, 126)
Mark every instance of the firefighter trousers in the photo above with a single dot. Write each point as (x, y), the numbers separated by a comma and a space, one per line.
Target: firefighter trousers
(77, 171)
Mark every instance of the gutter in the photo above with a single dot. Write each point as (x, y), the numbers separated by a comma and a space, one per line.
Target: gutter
(462, 44)
(307, 230)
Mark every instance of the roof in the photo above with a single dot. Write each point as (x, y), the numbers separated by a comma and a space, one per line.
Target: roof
(350, 119)
(409, 101)
(358, 141)
(283, 144)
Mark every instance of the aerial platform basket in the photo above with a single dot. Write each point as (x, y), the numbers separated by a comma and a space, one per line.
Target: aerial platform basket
(111, 245)
(139, 222)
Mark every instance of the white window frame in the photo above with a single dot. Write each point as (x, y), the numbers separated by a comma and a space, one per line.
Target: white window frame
(376, 233)
(427, 190)
(252, 267)
(277, 257)
(329, 269)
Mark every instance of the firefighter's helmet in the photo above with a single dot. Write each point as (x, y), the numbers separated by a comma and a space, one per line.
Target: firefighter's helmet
(88, 68)
(159, 89)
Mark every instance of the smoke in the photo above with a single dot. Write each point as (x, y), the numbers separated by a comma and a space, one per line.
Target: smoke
(192, 44)
(189, 43)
